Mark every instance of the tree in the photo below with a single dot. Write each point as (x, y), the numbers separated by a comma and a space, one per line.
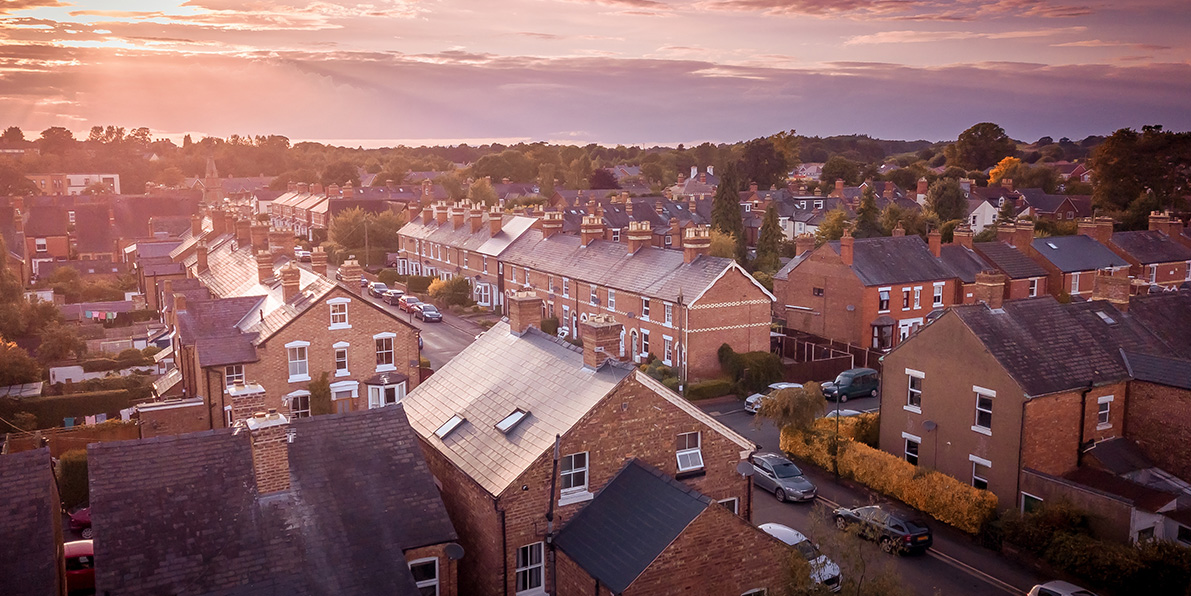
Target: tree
(1153, 165)
(341, 172)
(725, 210)
(602, 179)
(1008, 212)
(795, 408)
(12, 134)
(999, 171)
(722, 245)
(833, 225)
(347, 228)
(838, 167)
(763, 163)
(867, 224)
(769, 243)
(946, 199)
(60, 342)
(456, 291)
(980, 147)
(16, 366)
(14, 183)
(72, 478)
(320, 396)
(481, 192)
(789, 146)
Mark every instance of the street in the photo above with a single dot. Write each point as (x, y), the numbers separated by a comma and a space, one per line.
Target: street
(954, 565)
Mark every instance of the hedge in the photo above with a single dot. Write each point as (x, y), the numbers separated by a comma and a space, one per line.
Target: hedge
(753, 371)
(418, 284)
(709, 389)
(550, 326)
(72, 478)
(51, 410)
(934, 493)
(390, 277)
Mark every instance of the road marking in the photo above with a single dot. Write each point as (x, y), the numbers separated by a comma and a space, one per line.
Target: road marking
(952, 561)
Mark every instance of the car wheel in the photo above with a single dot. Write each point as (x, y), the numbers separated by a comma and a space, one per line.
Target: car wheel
(780, 495)
(872, 393)
(887, 545)
(841, 523)
(88, 533)
(843, 398)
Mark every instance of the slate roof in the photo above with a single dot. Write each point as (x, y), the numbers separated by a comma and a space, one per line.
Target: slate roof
(962, 261)
(45, 221)
(493, 376)
(630, 522)
(212, 327)
(1141, 496)
(512, 226)
(1151, 247)
(1009, 260)
(93, 229)
(1076, 253)
(1172, 372)
(29, 512)
(1041, 201)
(893, 260)
(1168, 316)
(199, 527)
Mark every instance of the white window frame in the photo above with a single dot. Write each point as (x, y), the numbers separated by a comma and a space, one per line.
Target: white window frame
(883, 292)
(392, 351)
(1033, 287)
(338, 309)
(917, 441)
(937, 297)
(644, 343)
(575, 493)
(299, 412)
(644, 308)
(980, 461)
(911, 391)
(341, 347)
(299, 369)
(550, 282)
(230, 376)
(616, 234)
(1022, 504)
(595, 295)
(669, 310)
(917, 297)
(527, 569)
(376, 394)
(757, 592)
(1074, 282)
(905, 298)
(991, 396)
(426, 583)
(1104, 412)
(693, 456)
(668, 350)
(612, 299)
(40, 245)
(732, 503)
(566, 288)
(526, 270)
(1188, 273)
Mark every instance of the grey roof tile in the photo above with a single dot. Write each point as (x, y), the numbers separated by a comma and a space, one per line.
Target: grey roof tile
(1076, 253)
(962, 261)
(1173, 372)
(1151, 247)
(29, 509)
(894, 259)
(1009, 260)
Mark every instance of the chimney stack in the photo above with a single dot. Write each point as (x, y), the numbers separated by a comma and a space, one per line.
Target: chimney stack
(277, 241)
(291, 186)
(217, 223)
(1007, 184)
(196, 225)
(592, 228)
(922, 188)
(696, 243)
(264, 266)
(839, 188)
(303, 187)
(458, 215)
(990, 288)
(1113, 288)
(803, 243)
(179, 303)
(962, 236)
(350, 271)
(1006, 233)
(333, 190)
(752, 187)
(1159, 221)
(898, 230)
(845, 247)
(476, 216)
(935, 241)
(888, 192)
(658, 207)
(639, 235)
(348, 191)
(318, 260)
(1104, 229)
(244, 232)
(1023, 235)
(270, 451)
(601, 339)
(427, 213)
(551, 223)
(291, 281)
(260, 236)
(201, 254)
(676, 233)
(495, 220)
(525, 311)
(440, 213)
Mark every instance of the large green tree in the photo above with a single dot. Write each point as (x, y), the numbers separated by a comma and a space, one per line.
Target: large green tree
(763, 163)
(1152, 166)
(832, 226)
(867, 216)
(482, 193)
(769, 243)
(725, 209)
(946, 199)
(980, 147)
(341, 172)
(838, 167)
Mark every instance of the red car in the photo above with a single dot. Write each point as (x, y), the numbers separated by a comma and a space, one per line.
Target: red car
(80, 567)
(80, 521)
(408, 303)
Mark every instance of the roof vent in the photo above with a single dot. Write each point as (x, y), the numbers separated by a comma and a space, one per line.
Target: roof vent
(506, 426)
(449, 426)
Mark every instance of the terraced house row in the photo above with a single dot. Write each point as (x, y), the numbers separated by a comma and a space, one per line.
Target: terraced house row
(678, 306)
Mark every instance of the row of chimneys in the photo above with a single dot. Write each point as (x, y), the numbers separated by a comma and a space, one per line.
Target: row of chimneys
(600, 332)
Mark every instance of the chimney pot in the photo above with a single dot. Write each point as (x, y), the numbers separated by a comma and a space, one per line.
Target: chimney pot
(804, 243)
(696, 242)
(525, 311)
(962, 236)
(898, 230)
(592, 228)
(601, 339)
(935, 241)
(495, 220)
(639, 235)
(845, 247)
(990, 288)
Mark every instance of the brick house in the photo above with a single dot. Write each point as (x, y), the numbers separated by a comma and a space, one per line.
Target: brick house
(94, 234)
(270, 508)
(871, 292)
(1072, 262)
(1155, 255)
(32, 559)
(46, 236)
(494, 419)
(260, 329)
(647, 533)
(1024, 278)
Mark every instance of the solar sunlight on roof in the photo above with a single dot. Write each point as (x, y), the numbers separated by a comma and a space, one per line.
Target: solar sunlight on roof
(449, 426)
(511, 420)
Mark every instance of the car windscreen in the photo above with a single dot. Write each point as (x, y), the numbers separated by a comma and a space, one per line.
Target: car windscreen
(915, 526)
(786, 470)
(841, 381)
(429, 308)
(807, 550)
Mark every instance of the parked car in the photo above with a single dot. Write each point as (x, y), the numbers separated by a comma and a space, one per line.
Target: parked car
(80, 521)
(843, 413)
(857, 382)
(428, 313)
(377, 289)
(1059, 588)
(302, 255)
(391, 296)
(752, 404)
(895, 533)
(781, 477)
(408, 303)
(823, 570)
(775, 386)
(80, 566)
(364, 283)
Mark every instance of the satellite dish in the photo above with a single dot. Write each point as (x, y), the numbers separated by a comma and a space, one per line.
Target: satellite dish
(454, 551)
(929, 425)
(744, 468)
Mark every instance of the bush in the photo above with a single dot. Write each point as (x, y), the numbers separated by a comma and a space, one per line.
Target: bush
(72, 478)
(150, 351)
(550, 326)
(418, 284)
(753, 371)
(130, 355)
(101, 364)
(709, 389)
(390, 277)
(423, 362)
(1104, 563)
(455, 291)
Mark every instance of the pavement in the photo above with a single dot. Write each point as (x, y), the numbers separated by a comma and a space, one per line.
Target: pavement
(955, 564)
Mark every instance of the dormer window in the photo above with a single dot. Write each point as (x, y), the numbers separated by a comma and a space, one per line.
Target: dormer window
(506, 425)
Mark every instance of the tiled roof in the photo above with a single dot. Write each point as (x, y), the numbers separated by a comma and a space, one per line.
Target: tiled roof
(894, 259)
(93, 229)
(1168, 316)
(512, 226)
(1009, 260)
(1172, 372)
(491, 378)
(46, 221)
(962, 261)
(1076, 253)
(1151, 247)
(180, 514)
(149, 249)
(29, 510)
(630, 522)
(1141, 496)
(1041, 201)
(211, 326)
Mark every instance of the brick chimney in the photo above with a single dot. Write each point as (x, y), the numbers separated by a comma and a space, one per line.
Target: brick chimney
(196, 226)
(476, 216)
(458, 215)
(624, 196)
(427, 213)
(922, 188)
(350, 271)
(303, 187)
(591, 229)
(804, 243)
(217, 222)
(601, 339)
(934, 240)
(348, 191)
(270, 450)
(440, 213)
(260, 236)
(752, 187)
(291, 281)
(1007, 184)
(1023, 235)
(291, 186)
(244, 232)
(1086, 227)
(658, 207)
(264, 266)
(495, 220)
(318, 261)
(676, 233)
(551, 223)
(1006, 233)
(229, 222)
(1113, 288)
(898, 230)
(990, 288)
(696, 242)
(333, 190)
(277, 241)
(839, 188)
(525, 311)
(845, 247)
(427, 189)
(201, 253)
(888, 192)
(1104, 229)
(179, 303)
(1159, 221)
(639, 235)
(962, 236)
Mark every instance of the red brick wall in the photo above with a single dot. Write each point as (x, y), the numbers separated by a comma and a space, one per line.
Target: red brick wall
(448, 570)
(827, 315)
(174, 421)
(1112, 515)
(733, 311)
(574, 580)
(1159, 419)
(1050, 443)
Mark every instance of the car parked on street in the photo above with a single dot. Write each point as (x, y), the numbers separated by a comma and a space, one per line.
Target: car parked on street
(752, 404)
(857, 382)
(824, 571)
(894, 532)
(80, 521)
(1059, 588)
(408, 303)
(781, 477)
(428, 313)
(391, 296)
(377, 289)
(302, 255)
(843, 413)
(80, 567)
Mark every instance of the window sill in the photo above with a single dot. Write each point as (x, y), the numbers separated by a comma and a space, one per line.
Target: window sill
(690, 474)
(916, 410)
(299, 378)
(1103, 426)
(337, 326)
(533, 592)
(575, 497)
(342, 373)
(385, 368)
(982, 430)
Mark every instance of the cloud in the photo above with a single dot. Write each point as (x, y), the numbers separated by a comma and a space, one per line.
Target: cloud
(11, 6)
(884, 37)
(1096, 43)
(918, 10)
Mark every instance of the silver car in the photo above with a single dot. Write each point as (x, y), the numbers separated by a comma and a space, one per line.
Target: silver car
(823, 570)
(752, 404)
(781, 477)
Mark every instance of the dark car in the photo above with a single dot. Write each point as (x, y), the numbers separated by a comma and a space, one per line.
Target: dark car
(895, 533)
(80, 521)
(80, 567)
(857, 382)
(392, 296)
(781, 477)
(429, 313)
(408, 303)
(377, 288)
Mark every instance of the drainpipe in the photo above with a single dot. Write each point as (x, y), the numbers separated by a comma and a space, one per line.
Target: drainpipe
(550, 519)
(504, 546)
(1083, 417)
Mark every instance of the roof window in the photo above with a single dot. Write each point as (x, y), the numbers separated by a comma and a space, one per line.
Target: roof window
(449, 426)
(1052, 245)
(1104, 317)
(506, 426)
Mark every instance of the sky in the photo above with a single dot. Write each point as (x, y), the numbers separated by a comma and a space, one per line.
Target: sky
(632, 72)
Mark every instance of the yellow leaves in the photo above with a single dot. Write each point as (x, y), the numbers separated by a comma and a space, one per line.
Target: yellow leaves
(1002, 167)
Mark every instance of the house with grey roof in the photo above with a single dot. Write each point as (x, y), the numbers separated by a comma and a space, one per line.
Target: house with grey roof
(31, 555)
(515, 429)
(336, 504)
(1156, 255)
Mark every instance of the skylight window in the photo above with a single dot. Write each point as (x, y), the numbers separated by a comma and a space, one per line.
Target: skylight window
(449, 426)
(506, 426)
(1104, 317)
(1052, 245)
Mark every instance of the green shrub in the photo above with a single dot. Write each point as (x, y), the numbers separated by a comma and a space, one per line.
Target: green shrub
(550, 326)
(320, 396)
(868, 430)
(752, 371)
(423, 362)
(709, 389)
(671, 382)
(150, 351)
(390, 277)
(418, 284)
(1104, 563)
(130, 355)
(455, 291)
(72, 478)
(101, 364)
